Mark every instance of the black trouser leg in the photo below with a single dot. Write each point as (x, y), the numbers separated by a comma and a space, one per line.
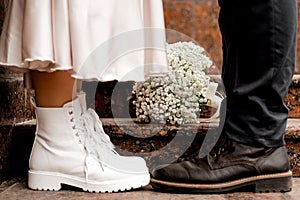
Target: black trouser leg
(259, 45)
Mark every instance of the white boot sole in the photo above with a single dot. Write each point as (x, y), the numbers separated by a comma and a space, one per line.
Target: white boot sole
(53, 181)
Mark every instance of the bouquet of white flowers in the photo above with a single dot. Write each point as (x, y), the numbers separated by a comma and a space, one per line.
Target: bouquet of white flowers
(175, 97)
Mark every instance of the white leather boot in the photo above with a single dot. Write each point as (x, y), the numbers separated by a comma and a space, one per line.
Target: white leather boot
(65, 152)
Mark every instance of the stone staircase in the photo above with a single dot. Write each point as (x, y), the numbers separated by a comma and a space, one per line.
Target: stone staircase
(18, 139)
(155, 142)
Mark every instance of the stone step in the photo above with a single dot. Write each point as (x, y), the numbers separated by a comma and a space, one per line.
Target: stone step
(16, 139)
(156, 143)
(15, 107)
(139, 140)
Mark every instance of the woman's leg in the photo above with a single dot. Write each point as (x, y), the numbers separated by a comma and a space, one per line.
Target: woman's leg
(71, 146)
(53, 89)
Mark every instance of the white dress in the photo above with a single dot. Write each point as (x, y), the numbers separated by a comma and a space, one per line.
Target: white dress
(93, 39)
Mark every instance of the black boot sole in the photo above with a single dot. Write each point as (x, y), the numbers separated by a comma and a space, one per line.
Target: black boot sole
(280, 182)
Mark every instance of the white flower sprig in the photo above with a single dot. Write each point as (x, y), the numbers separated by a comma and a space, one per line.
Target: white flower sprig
(175, 97)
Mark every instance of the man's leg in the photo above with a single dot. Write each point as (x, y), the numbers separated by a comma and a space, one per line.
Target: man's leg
(259, 39)
(259, 44)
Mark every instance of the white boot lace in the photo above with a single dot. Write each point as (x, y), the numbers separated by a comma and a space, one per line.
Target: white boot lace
(96, 142)
(96, 131)
(98, 145)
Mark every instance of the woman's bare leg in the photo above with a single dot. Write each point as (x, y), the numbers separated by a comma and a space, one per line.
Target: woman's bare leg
(53, 89)
(64, 137)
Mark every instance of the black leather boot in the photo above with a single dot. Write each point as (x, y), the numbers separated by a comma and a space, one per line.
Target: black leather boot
(229, 166)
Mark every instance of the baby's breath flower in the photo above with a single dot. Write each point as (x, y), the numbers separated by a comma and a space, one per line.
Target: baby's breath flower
(175, 97)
